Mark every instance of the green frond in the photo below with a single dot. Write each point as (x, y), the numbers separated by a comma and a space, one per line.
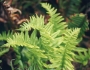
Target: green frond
(35, 22)
(20, 39)
(83, 57)
(78, 21)
(55, 17)
(67, 49)
(30, 48)
(63, 49)
(5, 35)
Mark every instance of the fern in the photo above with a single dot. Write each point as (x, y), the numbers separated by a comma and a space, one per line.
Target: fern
(32, 23)
(78, 21)
(55, 18)
(83, 57)
(20, 39)
(67, 51)
(3, 38)
(49, 35)
(5, 35)
(29, 46)
(55, 44)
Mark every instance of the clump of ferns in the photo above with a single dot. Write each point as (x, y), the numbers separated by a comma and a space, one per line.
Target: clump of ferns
(54, 48)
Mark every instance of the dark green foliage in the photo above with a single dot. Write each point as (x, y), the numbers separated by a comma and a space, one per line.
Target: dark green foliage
(72, 7)
(69, 7)
(79, 21)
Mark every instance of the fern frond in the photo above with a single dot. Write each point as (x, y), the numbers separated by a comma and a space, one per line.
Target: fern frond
(83, 57)
(79, 21)
(20, 39)
(66, 51)
(5, 35)
(30, 48)
(55, 18)
(35, 23)
(45, 30)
